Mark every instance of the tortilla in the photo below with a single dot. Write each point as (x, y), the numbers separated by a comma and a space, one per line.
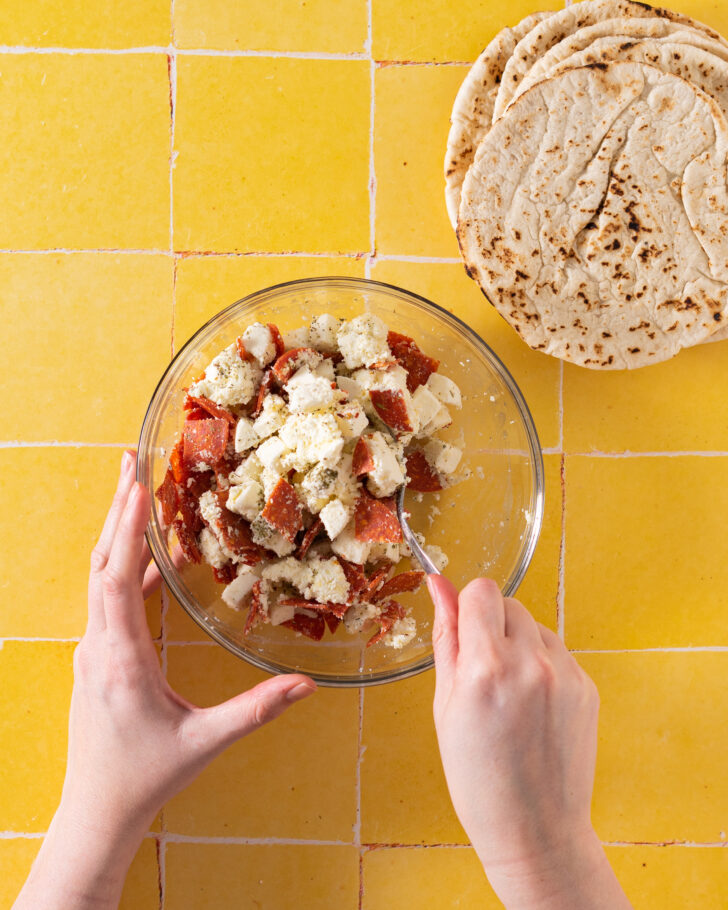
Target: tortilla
(472, 112)
(555, 28)
(593, 37)
(595, 216)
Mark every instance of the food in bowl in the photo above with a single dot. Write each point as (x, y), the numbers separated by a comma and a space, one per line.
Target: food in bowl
(283, 477)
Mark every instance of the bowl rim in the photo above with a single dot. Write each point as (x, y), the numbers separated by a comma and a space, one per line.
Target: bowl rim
(169, 573)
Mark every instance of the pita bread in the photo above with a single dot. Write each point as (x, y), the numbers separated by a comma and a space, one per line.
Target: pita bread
(595, 216)
(472, 111)
(593, 37)
(555, 28)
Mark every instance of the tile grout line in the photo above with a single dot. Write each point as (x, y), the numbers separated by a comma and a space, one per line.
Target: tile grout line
(560, 587)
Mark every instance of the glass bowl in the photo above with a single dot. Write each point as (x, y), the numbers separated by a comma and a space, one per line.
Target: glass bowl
(487, 523)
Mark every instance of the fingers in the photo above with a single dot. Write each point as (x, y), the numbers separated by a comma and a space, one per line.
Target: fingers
(445, 626)
(241, 715)
(520, 625)
(123, 600)
(151, 581)
(481, 618)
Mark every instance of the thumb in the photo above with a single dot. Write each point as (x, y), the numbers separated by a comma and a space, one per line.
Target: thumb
(232, 719)
(445, 627)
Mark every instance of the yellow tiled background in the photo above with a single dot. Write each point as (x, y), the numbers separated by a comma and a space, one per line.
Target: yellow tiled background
(224, 147)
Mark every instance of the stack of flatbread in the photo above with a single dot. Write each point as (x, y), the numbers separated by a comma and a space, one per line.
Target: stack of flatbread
(586, 179)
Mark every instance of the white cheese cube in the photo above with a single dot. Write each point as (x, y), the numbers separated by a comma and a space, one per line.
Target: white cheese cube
(335, 517)
(391, 551)
(247, 499)
(387, 475)
(212, 515)
(325, 369)
(311, 438)
(250, 469)
(269, 478)
(229, 381)
(348, 547)
(210, 549)
(288, 570)
(355, 390)
(280, 613)
(266, 536)
(444, 389)
(442, 456)
(401, 633)
(245, 435)
(327, 582)
(358, 615)
(239, 588)
(318, 486)
(273, 415)
(426, 406)
(441, 419)
(309, 392)
(270, 453)
(258, 340)
(394, 380)
(352, 420)
(323, 332)
(363, 341)
(437, 555)
(296, 338)
(347, 487)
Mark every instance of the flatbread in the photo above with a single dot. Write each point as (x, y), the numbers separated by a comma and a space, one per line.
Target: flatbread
(555, 28)
(595, 216)
(594, 37)
(472, 111)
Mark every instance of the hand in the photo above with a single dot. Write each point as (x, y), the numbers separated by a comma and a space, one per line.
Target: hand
(133, 742)
(516, 720)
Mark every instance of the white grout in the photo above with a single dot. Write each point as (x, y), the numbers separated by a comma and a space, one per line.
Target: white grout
(561, 584)
(451, 260)
(253, 841)
(16, 444)
(372, 173)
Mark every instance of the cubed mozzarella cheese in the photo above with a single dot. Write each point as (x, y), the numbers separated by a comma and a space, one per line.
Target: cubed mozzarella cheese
(426, 406)
(297, 338)
(441, 420)
(323, 331)
(228, 381)
(245, 435)
(354, 389)
(326, 369)
(327, 582)
(268, 479)
(352, 420)
(437, 555)
(258, 341)
(270, 453)
(401, 633)
(266, 536)
(239, 588)
(443, 456)
(348, 547)
(309, 392)
(387, 474)
(273, 415)
(250, 469)
(289, 570)
(363, 341)
(444, 389)
(335, 517)
(358, 615)
(312, 438)
(318, 486)
(347, 487)
(247, 499)
(212, 514)
(210, 549)
(280, 613)
(391, 551)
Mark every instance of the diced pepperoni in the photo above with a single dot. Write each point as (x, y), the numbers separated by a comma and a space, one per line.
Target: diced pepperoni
(226, 574)
(308, 539)
(333, 356)
(354, 575)
(417, 364)
(333, 622)
(405, 581)
(375, 581)
(310, 626)
(421, 476)
(213, 409)
(287, 364)
(392, 408)
(189, 512)
(383, 365)
(376, 520)
(256, 607)
(235, 532)
(303, 604)
(391, 612)
(243, 352)
(205, 441)
(197, 414)
(176, 462)
(283, 510)
(166, 493)
(277, 339)
(187, 541)
(266, 384)
(362, 459)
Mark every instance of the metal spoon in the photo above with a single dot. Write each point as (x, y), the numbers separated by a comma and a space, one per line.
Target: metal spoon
(424, 560)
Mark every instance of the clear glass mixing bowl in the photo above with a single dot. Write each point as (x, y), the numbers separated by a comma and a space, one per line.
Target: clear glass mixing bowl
(487, 524)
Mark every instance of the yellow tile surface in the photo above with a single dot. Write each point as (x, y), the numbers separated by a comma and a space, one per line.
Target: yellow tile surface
(662, 742)
(106, 183)
(436, 878)
(36, 679)
(141, 889)
(100, 23)
(46, 570)
(672, 878)
(447, 285)
(712, 12)
(178, 625)
(278, 782)
(272, 155)
(673, 406)
(404, 798)
(323, 26)
(211, 876)
(646, 558)
(207, 284)
(91, 378)
(442, 31)
(409, 148)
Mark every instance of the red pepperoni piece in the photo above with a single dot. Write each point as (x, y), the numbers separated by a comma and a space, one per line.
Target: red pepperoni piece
(166, 493)
(214, 410)
(197, 414)
(283, 510)
(176, 462)
(376, 520)
(354, 575)
(277, 339)
(235, 532)
(256, 607)
(303, 604)
(417, 364)
(362, 459)
(308, 538)
(287, 364)
(205, 441)
(333, 622)
(405, 581)
(266, 384)
(243, 352)
(421, 476)
(391, 612)
(187, 541)
(226, 574)
(375, 580)
(392, 408)
(310, 626)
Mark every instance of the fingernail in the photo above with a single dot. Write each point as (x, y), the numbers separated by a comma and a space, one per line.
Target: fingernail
(127, 460)
(432, 588)
(298, 692)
